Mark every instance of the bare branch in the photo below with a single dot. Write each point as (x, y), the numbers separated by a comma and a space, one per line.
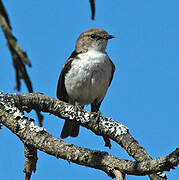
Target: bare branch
(119, 175)
(18, 56)
(12, 41)
(30, 160)
(21, 72)
(106, 127)
(4, 14)
(37, 137)
(92, 5)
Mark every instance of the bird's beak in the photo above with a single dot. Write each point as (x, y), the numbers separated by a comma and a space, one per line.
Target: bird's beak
(107, 37)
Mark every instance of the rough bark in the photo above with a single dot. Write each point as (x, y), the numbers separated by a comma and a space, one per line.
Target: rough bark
(30, 160)
(37, 137)
(19, 57)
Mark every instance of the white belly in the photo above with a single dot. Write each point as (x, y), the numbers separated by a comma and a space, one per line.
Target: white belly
(89, 76)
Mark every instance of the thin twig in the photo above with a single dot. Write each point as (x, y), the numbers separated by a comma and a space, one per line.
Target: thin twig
(93, 10)
(12, 40)
(119, 175)
(19, 57)
(30, 160)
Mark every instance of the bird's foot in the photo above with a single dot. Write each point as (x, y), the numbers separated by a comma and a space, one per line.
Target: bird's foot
(78, 106)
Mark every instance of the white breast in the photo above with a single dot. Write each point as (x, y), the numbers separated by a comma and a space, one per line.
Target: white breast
(89, 76)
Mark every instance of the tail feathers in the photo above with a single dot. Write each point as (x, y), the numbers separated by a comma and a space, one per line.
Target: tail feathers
(70, 129)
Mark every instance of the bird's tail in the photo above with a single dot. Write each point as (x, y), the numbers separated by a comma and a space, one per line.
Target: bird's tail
(70, 129)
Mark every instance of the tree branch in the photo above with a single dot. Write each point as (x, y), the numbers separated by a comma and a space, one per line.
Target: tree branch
(10, 38)
(37, 137)
(119, 175)
(106, 127)
(19, 57)
(30, 160)
(92, 5)
(4, 14)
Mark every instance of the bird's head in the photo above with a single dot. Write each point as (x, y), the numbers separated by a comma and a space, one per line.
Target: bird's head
(93, 39)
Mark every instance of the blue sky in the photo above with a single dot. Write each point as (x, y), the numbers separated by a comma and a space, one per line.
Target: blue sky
(144, 91)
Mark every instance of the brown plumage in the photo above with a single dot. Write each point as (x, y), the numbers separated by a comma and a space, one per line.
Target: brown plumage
(86, 75)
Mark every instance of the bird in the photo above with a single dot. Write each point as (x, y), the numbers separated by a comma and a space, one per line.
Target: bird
(86, 76)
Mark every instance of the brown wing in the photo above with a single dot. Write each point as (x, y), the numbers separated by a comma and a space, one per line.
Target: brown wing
(61, 90)
(113, 70)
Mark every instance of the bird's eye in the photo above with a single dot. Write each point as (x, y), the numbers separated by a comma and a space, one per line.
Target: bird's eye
(93, 36)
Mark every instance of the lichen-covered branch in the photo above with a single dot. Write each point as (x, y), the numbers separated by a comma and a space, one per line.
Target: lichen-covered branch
(37, 137)
(105, 127)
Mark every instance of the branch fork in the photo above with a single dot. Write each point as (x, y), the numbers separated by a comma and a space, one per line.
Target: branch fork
(35, 137)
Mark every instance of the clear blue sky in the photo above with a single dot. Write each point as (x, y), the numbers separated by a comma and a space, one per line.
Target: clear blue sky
(144, 94)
